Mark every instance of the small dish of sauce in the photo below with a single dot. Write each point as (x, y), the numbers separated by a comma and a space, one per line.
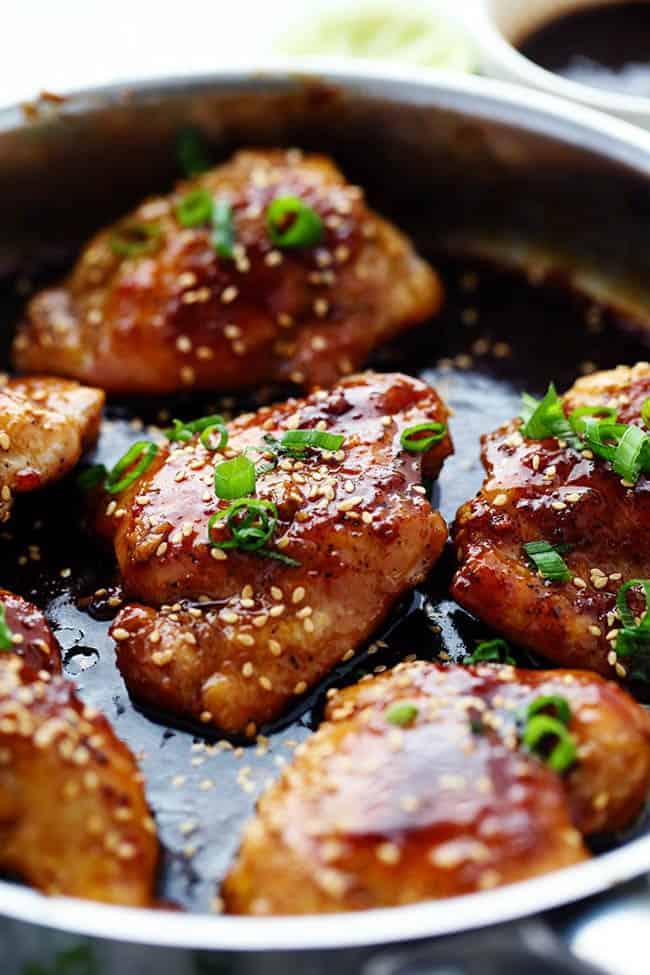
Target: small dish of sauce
(605, 46)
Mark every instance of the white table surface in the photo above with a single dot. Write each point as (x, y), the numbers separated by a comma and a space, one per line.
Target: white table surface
(62, 45)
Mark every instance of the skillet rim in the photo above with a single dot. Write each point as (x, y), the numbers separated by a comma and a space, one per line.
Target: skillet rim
(489, 100)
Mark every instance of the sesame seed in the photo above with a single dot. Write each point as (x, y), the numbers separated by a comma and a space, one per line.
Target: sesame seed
(229, 294)
(500, 500)
(247, 669)
(300, 687)
(579, 583)
(298, 594)
(121, 634)
(558, 505)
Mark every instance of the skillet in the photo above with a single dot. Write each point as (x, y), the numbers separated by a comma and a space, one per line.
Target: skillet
(536, 214)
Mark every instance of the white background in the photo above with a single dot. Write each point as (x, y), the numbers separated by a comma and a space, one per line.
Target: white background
(61, 45)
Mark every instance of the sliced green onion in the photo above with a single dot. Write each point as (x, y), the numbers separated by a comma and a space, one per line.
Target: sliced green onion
(550, 702)
(548, 561)
(545, 418)
(402, 713)
(413, 441)
(195, 208)
(645, 411)
(291, 223)
(297, 441)
(205, 425)
(629, 454)
(139, 454)
(191, 152)
(6, 636)
(208, 433)
(251, 522)
(223, 231)
(495, 651)
(577, 416)
(92, 477)
(543, 732)
(633, 639)
(234, 478)
(133, 239)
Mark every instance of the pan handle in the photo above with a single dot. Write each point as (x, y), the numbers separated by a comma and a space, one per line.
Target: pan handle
(604, 935)
(610, 930)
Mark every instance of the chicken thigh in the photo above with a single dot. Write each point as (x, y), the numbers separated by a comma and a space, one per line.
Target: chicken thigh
(419, 785)
(232, 635)
(269, 268)
(547, 489)
(45, 425)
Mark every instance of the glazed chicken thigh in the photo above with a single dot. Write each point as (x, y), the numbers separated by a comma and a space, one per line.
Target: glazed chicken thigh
(73, 816)
(546, 489)
(45, 425)
(232, 636)
(418, 786)
(220, 286)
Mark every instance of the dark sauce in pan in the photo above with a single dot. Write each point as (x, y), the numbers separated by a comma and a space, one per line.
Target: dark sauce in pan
(498, 334)
(606, 46)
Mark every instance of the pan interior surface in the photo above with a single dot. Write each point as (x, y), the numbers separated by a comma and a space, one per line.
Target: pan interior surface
(564, 298)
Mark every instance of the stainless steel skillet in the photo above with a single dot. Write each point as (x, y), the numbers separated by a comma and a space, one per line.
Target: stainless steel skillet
(475, 170)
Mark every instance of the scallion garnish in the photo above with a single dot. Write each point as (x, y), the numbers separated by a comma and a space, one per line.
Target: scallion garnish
(6, 636)
(578, 416)
(549, 738)
(297, 441)
(645, 411)
(633, 639)
(234, 478)
(92, 477)
(194, 208)
(402, 713)
(134, 239)
(550, 702)
(495, 651)
(191, 152)
(250, 521)
(205, 425)
(291, 223)
(420, 437)
(629, 454)
(134, 462)
(223, 231)
(545, 418)
(548, 561)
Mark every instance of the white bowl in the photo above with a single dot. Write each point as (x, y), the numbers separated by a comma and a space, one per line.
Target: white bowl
(499, 25)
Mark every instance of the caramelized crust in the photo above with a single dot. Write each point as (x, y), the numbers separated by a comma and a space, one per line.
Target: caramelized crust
(537, 489)
(232, 637)
(32, 636)
(183, 317)
(73, 816)
(45, 424)
(370, 814)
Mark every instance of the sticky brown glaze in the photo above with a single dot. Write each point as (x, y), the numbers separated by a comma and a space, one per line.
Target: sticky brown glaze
(369, 814)
(184, 317)
(45, 424)
(32, 636)
(73, 816)
(537, 489)
(358, 521)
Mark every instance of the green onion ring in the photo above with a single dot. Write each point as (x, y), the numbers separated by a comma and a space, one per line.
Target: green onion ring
(292, 223)
(143, 449)
(415, 444)
(6, 641)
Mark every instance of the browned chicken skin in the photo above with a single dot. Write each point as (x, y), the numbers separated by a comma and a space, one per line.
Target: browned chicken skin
(45, 424)
(73, 816)
(370, 814)
(537, 489)
(31, 635)
(183, 317)
(357, 520)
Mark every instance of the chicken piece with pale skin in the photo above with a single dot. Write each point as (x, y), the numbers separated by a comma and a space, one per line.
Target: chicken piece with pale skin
(73, 815)
(432, 781)
(269, 268)
(243, 614)
(45, 425)
(585, 494)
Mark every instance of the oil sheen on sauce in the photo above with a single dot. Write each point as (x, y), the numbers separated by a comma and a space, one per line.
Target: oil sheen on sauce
(606, 46)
